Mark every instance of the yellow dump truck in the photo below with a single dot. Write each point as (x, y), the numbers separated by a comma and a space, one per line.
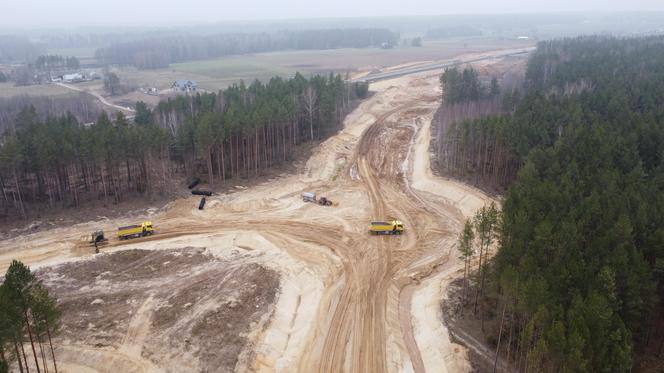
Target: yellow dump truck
(386, 227)
(138, 230)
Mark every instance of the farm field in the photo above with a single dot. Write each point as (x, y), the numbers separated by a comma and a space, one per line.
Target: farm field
(9, 90)
(219, 73)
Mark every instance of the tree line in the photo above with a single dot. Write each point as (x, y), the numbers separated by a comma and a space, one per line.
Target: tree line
(460, 86)
(577, 281)
(240, 132)
(452, 31)
(160, 51)
(84, 107)
(28, 313)
(470, 144)
(51, 62)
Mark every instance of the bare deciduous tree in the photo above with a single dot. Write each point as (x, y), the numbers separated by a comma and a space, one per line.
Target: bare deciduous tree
(310, 99)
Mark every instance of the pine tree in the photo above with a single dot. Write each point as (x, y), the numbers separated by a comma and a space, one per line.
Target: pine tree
(46, 315)
(20, 283)
(466, 239)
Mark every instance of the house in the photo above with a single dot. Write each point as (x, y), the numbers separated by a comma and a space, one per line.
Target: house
(184, 85)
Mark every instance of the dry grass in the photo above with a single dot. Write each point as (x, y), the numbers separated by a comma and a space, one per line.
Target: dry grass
(9, 90)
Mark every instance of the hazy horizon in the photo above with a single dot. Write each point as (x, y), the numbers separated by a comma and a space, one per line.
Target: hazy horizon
(43, 13)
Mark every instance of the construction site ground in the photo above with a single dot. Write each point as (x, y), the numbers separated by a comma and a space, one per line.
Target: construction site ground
(262, 281)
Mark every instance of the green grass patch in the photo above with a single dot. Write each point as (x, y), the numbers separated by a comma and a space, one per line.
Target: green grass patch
(233, 68)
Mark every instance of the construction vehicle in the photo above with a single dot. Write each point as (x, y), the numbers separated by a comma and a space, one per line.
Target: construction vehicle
(324, 202)
(386, 227)
(134, 231)
(97, 239)
(311, 197)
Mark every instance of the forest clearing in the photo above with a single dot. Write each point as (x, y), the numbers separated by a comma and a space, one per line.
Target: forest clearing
(351, 301)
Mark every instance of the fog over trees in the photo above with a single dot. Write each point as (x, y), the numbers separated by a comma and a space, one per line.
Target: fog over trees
(159, 52)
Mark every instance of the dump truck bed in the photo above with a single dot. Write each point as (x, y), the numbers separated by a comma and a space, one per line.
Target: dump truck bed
(309, 197)
(386, 226)
(130, 230)
(130, 227)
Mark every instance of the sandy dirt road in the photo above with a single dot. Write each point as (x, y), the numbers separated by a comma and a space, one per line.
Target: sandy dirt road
(347, 301)
(102, 99)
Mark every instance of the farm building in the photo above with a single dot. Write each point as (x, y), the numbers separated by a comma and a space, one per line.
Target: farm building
(184, 85)
(73, 78)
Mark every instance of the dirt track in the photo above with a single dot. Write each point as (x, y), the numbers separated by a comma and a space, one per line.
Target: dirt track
(347, 301)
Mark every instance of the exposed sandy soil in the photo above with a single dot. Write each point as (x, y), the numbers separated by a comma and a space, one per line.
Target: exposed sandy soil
(346, 300)
(145, 308)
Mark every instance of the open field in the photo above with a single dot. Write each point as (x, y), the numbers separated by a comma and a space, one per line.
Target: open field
(346, 301)
(219, 73)
(9, 90)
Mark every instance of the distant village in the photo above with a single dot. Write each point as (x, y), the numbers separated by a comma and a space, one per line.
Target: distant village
(61, 69)
(76, 77)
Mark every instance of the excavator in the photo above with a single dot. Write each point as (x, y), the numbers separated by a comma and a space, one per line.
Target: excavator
(97, 239)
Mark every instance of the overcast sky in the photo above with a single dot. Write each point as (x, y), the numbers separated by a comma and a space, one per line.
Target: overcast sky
(161, 12)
